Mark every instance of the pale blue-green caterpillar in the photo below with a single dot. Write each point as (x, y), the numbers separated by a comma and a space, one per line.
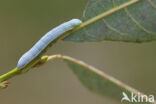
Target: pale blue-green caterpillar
(45, 42)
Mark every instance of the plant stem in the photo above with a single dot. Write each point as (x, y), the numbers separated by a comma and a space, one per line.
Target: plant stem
(10, 74)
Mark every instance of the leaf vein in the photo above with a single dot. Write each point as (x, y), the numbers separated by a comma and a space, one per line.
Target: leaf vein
(151, 3)
(112, 28)
(138, 24)
(88, 34)
(113, 2)
(109, 26)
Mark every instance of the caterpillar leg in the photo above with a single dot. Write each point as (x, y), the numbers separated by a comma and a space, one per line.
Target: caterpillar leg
(41, 61)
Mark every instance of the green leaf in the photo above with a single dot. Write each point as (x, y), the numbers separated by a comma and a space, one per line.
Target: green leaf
(100, 82)
(135, 22)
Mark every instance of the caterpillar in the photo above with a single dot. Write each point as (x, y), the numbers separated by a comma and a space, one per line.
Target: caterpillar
(36, 52)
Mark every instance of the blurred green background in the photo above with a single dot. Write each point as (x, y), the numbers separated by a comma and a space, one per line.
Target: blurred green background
(23, 22)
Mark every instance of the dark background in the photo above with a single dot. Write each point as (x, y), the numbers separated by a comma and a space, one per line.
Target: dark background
(23, 22)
